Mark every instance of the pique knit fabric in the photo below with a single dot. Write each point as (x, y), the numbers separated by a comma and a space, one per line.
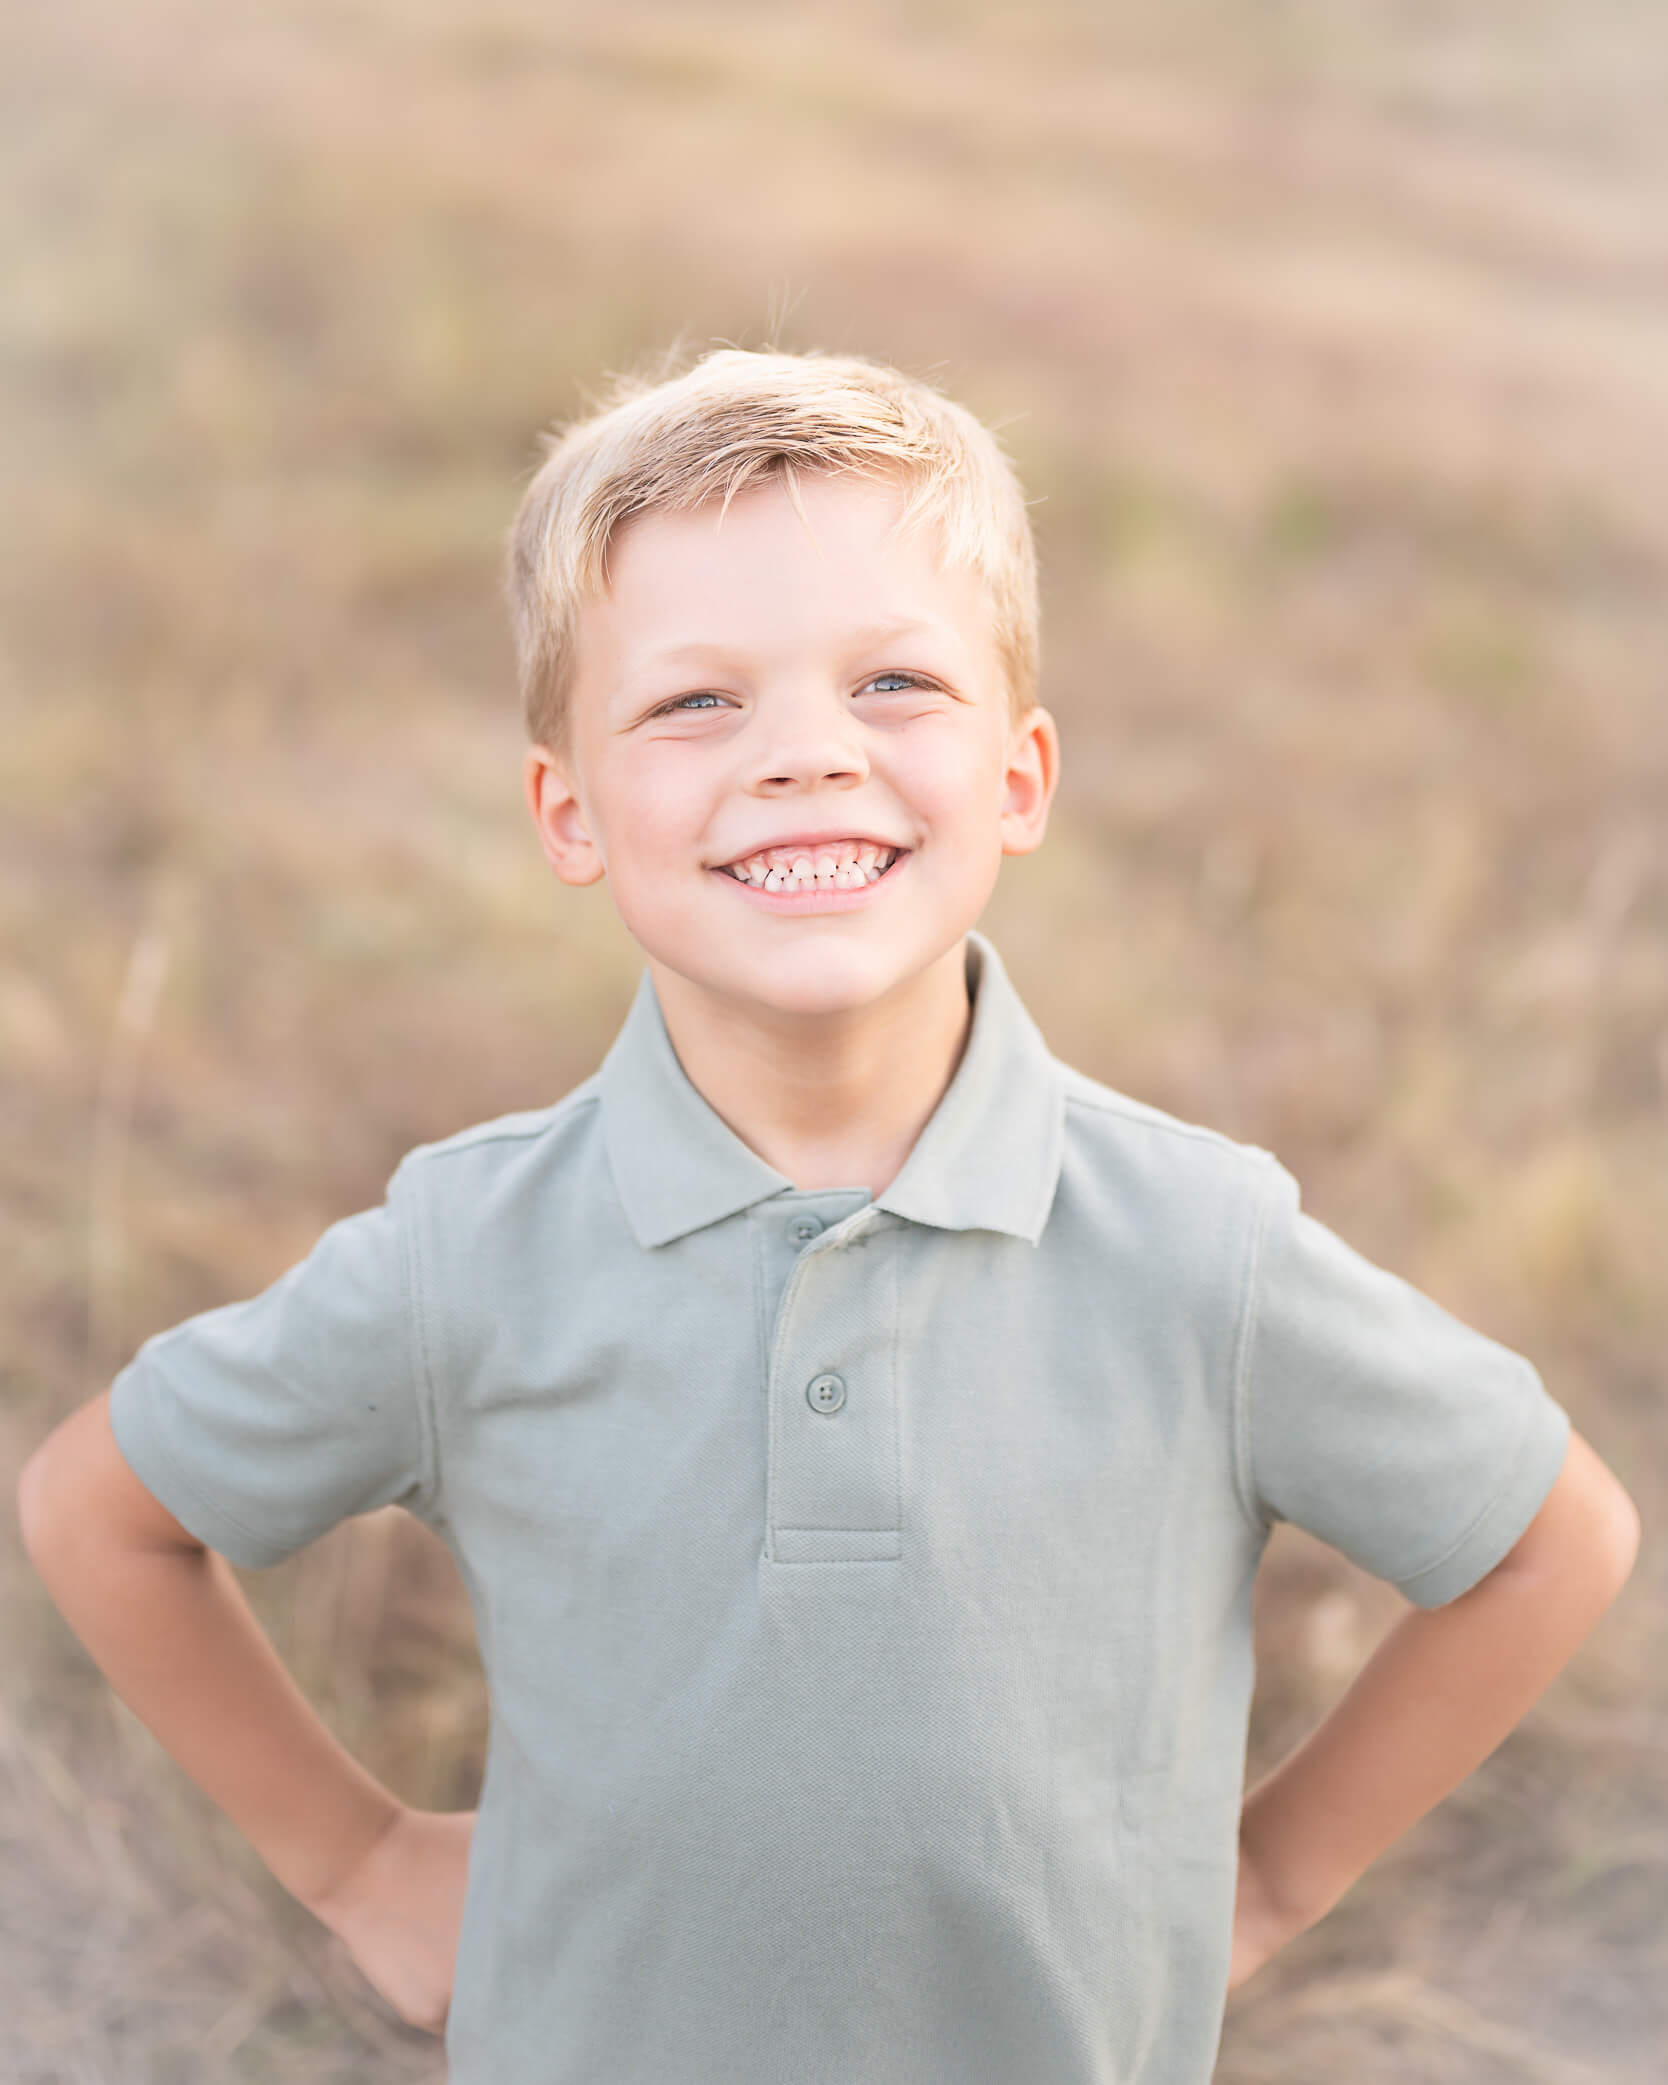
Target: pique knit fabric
(863, 1583)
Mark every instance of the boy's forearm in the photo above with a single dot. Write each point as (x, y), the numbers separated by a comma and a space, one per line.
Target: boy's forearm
(1445, 1687)
(174, 1635)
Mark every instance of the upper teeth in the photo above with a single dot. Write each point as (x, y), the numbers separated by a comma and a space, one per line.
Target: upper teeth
(836, 865)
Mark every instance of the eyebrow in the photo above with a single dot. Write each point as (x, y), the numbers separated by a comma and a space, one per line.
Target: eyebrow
(676, 654)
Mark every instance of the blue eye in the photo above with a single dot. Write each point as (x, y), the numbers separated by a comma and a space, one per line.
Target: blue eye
(909, 680)
(701, 695)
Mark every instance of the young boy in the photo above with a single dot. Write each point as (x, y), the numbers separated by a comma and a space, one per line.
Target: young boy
(857, 1431)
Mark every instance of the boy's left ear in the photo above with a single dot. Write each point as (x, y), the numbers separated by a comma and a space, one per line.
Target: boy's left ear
(1028, 784)
(557, 812)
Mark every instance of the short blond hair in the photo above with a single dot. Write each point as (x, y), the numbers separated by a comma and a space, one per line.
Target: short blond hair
(740, 417)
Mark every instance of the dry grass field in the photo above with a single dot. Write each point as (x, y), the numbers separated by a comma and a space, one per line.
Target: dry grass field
(1331, 342)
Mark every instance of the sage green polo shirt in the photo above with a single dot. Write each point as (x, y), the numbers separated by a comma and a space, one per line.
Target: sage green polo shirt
(863, 1583)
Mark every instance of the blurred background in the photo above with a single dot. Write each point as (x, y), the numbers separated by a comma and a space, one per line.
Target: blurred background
(1332, 346)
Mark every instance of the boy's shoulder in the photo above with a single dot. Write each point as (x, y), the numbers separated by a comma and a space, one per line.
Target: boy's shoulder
(508, 1140)
(1110, 1118)
(1183, 1202)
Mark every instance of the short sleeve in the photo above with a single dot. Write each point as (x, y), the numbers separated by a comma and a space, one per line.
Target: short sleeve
(261, 1424)
(1417, 1446)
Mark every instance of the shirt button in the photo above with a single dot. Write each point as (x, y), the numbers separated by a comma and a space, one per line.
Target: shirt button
(825, 1393)
(804, 1229)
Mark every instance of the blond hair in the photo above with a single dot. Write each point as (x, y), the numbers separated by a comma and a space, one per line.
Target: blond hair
(741, 417)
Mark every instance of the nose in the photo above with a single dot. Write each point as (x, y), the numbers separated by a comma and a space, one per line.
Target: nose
(806, 741)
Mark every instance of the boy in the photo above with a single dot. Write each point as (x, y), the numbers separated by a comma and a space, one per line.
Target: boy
(857, 1431)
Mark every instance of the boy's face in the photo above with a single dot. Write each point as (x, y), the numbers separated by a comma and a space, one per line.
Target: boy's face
(754, 693)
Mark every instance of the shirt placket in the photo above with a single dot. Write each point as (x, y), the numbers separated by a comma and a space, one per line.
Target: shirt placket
(832, 1488)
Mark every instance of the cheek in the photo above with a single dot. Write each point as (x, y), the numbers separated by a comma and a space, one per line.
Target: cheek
(649, 812)
(960, 789)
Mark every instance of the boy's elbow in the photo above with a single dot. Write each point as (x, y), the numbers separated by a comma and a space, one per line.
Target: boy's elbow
(43, 1493)
(1626, 1533)
(1614, 1532)
(34, 1508)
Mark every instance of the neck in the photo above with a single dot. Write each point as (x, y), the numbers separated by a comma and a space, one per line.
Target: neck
(834, 1101)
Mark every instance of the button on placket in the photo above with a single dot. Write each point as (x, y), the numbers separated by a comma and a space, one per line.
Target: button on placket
(804, 1228)
(833, 1486)
(825, 1393)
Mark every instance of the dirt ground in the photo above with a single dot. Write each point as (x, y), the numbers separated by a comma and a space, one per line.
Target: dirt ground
(1332, 345)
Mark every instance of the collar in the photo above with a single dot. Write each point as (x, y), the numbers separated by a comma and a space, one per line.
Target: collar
(988, 1158)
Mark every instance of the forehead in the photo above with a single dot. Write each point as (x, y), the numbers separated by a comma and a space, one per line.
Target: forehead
(763, 575)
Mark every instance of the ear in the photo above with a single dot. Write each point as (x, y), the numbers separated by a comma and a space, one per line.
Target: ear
(1028, 782)
(563, 831)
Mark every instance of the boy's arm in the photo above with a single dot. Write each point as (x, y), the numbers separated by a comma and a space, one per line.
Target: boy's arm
(1435, 1699)
(166, 1621)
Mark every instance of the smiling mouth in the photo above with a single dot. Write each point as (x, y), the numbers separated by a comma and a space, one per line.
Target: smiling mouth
(836, 865)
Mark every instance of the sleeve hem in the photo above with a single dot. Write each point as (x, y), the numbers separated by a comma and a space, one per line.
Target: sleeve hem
(161, 1477)
(1500, 1525)
(1245, 1474)
(420, 1366)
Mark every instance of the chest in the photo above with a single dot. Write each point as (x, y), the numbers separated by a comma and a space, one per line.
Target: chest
(816, 1382)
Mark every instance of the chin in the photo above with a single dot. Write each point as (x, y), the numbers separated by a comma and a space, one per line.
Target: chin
(814, 979)
(820, 986)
